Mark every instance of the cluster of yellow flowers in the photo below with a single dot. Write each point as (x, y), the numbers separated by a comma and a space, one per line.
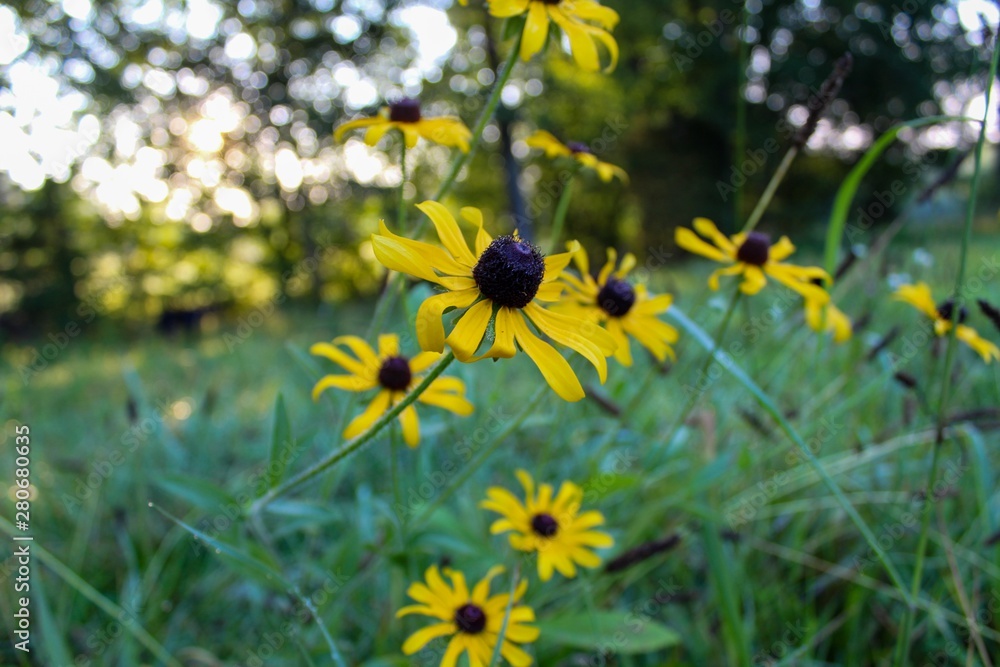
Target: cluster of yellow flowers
(502, 295)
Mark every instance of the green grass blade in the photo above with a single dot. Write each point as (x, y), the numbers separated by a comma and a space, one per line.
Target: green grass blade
(281, 440)
(54, 641)
(849, 188)
(104, 604)
(768, 405)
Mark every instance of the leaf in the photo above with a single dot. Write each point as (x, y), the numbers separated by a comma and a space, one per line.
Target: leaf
(281, 442)
(200, 493)
(619, 631)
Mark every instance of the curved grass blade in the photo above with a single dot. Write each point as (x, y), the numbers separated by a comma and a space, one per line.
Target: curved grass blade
(768, 405)
(849, 188)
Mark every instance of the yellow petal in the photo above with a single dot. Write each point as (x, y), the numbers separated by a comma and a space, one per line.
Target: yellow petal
(346, 382)
(411, 426)
(688, 240)
(589, 340)
(987, 350)
(753, 280)
(339, 357)
(361, 349)
(378, 407)
(468, 333)
(547, 142)
(536, 30)
(581, 45)
(781, 250)
(707, 228)
(507, 8)
(919, 296)
(475, 216)
(458, 405)
(554, 368)
(430, 328)
(448, 231)
(503, 343)
(589, 10)
(424, 360)
(356, 124)
(447, 131)
(388, 345)
(424, 636)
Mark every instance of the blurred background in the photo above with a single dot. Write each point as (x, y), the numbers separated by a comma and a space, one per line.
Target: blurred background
(171, 162)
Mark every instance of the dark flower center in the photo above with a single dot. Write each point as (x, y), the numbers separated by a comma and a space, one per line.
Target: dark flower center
(947, 311)
(405, 111)
(509, 272)
(616, 298)
(544, 525)
(578, 147)
(755, 249)
(395, 374)
(470, 619)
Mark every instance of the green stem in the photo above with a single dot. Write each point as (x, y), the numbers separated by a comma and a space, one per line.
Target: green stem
(358, 442)
(695, 394)
(401, 210)
(503, 76)
(772, 187)
(720, 569)
(903, 645)
(559, 217)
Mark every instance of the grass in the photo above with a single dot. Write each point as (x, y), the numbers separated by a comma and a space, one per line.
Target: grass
(189, 425)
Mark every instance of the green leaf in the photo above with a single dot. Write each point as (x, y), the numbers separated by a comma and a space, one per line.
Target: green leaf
(624, 632)
(849, 188)
(281, 442)
(198, 492)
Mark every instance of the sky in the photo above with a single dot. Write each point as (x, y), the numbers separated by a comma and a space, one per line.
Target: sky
(48, 133)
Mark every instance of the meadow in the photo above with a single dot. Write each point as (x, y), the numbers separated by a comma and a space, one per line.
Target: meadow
(731, 513)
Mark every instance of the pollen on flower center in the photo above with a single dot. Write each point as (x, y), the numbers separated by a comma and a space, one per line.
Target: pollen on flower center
(947, 309)
(395, 374)
(509, 272)
(470, 619)
(616, 298)
(577, 147)
(405, 111)
(755, 249)
(544, 525)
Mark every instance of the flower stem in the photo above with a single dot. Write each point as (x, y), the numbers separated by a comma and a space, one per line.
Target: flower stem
(503, 76)
(772, 187)
(559, 217)
(401, 210)
(695, 394)
(356, 443)
(903, 644)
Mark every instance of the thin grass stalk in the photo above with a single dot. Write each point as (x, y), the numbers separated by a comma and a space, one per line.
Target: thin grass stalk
(559, 217)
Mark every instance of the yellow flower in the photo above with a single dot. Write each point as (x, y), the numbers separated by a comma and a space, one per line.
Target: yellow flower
(623, 309)
(578, 151)
(404, 116)
(919, 296)
(395, 375)
(503, 282)
(576, 18)
(473, 621)
(752, 256)
(552, 527)
(836, 321)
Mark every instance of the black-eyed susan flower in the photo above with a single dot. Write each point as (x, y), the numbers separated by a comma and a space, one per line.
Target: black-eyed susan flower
(405, 116)
(834, 321)
(919, 296)
(585, 23)
(752, 256)
(504, 283)
(394, 375)
(553, 527)
(472, 620)
(578, 151)
(622, 308)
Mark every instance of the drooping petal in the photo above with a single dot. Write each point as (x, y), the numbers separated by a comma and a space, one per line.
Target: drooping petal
(547, 142)
(919, 296)
(507, 8)
(588, 10)
(503, 342)
(430, 328)
(707, 228)
(984, 348)
(454, 403)
(378, 407)
(342, 129)
(554, 368)
(468, 333)
(536, 30)
(447, 131)
(753, 280)
(411, 426)
(592, 342)
(581, 45)
(623, 353)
